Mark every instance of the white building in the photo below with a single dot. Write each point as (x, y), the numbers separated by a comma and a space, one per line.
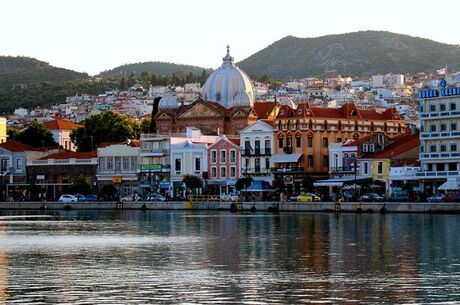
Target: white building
(61, 130)
(440, 137)
(257, 150)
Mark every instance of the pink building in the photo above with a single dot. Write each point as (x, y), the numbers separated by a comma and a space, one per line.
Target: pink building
(223, 165)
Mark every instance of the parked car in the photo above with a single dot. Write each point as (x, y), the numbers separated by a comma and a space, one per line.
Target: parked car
(399, 197)
(308, 197)
(293, 197)
(371, 197)
(66, 198)
(436, 197)
(132, 197)
(349, 196)
(230, 197)
(451, 198)
(156, 197)
(90, 198)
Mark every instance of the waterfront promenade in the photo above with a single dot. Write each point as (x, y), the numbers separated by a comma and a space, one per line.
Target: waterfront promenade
(357, 207)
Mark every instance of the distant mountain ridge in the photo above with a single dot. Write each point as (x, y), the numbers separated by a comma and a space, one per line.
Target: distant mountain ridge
(159, 68)
(358, 53)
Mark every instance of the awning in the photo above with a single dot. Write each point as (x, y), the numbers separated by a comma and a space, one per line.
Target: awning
(338, 181)
(449, 185)
(286, 158)
(259, 186)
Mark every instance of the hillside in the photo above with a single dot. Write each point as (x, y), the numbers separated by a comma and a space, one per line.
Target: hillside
(25, 70)
(358, 53)
(159, 68)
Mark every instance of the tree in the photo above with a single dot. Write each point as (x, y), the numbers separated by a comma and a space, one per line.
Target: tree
(145, 125)
(243, 182)
(36, 135)
(107, 126)
(12, 133)
(123, 84)
(191, 181)
(80, 186)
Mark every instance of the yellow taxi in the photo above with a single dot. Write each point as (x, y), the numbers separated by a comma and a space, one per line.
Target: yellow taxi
(308, 197)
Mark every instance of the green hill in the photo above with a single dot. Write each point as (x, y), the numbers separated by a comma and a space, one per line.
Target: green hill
(358, 53)
(159, 68)
(25, 70)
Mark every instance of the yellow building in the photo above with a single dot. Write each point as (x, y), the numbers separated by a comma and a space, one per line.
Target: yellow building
(3, 135)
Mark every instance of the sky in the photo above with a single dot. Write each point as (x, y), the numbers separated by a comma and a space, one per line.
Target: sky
(96, 35)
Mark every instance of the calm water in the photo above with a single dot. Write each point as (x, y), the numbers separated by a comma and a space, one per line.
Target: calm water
(218, 257)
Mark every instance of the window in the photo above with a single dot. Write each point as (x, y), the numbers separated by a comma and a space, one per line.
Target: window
(118, 163)
(325, 142)
(126, 164)
(213, 172)
(280, 126)
(432, 148)
(280, 142)
(453, 126)
(178, 164)
(223, 156)
(246, 163)
(453, 106)
(109, 163)
(443, 148)
(443, 127)
(380, 167)
(268, 147)
(102, 164)
(371, 148)
(442, 107)
(197, 164)
(433, 108)
(339, 140)
(145, 145)
(257, 147)
(310, 142)
(213, 156)
(298, 141)
(257, 165)
(452, 166)
(310, 160)
(267, 163)
(432, 128)
(453, 147)
(232, 156)
(365, 168)
(223, 172)
(289, 142)
(232, 171)
(133, 163)
(325, 161)
(19, 164)
(297, 125)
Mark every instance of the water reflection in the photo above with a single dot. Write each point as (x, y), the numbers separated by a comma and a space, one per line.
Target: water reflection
(168, 257)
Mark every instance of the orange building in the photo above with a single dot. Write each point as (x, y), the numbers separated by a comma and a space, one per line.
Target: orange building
(303, 135)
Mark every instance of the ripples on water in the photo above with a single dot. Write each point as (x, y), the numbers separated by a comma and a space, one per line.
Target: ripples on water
(182, 257)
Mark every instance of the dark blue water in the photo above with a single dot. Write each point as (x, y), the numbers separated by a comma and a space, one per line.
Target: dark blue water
(167, 257)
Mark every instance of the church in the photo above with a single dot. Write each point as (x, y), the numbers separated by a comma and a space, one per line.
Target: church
(226, 106)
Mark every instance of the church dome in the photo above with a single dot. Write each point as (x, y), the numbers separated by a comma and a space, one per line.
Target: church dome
(168, 101)
(229, 85)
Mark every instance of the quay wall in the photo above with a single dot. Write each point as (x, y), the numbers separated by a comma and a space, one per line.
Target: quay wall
(391, 207)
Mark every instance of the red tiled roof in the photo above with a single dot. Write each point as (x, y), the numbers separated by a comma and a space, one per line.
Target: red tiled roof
(262, 109)
(60, 124)
(70, 155)
(344, 112)
(15, 146)
(360, 140)
(401, 145)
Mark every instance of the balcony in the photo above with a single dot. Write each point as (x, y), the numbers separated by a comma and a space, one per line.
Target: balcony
(442, 155)
(440, 135)
(255, 171)
(155, 152)
(440, 115)
(257, 152)
(287, 170)
(340, 170)
(438, 174)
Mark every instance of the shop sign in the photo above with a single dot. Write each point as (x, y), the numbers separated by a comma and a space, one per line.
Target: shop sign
(150, 167)
(116, 179)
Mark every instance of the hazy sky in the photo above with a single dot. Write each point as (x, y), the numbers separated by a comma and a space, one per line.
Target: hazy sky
(95, 35)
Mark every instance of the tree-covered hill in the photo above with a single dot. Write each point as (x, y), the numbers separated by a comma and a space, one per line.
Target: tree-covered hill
(358, 53)
(158, 68)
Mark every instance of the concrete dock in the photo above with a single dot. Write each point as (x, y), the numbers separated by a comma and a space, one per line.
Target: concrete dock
(357, 207)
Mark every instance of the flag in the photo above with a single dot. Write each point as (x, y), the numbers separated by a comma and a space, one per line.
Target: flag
(441, 71)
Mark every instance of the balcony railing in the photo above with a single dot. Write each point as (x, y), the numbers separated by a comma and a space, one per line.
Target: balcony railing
(440, 115)
(443, 134)
(255, 170)
(281, 170)
(343, 170)
(440, 155)
(437, 174)
(248, 152)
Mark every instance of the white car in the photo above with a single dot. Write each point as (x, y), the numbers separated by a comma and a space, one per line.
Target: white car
(230, 197)
(68, 198)
(156, 197)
